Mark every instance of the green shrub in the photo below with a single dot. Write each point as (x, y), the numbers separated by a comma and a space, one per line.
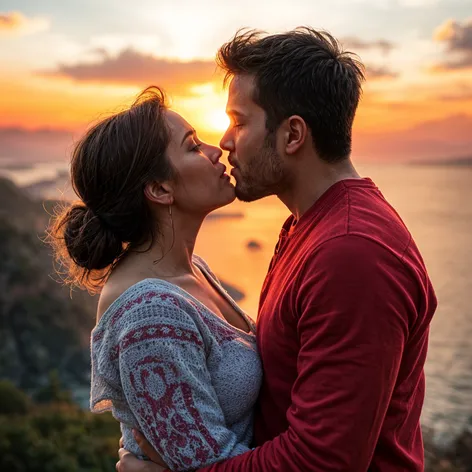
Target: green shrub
(58, 437)
(12, 400)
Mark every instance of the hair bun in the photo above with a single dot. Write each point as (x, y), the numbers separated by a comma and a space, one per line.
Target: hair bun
(89, 242)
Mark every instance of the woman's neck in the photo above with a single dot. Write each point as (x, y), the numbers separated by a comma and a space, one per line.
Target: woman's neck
(170, 254)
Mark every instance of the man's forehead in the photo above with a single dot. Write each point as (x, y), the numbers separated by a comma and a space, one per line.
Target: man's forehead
(241, 88)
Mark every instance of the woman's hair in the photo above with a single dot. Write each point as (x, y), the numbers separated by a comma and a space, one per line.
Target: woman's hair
(110, 167)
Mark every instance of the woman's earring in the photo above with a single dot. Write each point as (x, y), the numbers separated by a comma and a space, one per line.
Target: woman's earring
(170, 210)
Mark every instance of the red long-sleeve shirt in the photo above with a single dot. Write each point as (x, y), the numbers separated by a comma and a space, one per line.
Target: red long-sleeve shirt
(342, 332)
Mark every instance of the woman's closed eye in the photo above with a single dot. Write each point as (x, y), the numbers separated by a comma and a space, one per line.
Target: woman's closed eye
(196, 147)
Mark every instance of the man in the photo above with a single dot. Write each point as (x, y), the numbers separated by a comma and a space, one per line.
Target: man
(345, 308)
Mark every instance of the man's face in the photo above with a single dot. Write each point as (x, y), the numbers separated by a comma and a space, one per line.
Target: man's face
(257, 167)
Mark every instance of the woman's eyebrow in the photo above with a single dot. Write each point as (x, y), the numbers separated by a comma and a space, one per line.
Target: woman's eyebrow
(190, 132)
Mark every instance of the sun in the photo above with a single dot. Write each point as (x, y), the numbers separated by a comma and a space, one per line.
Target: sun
(217, 120)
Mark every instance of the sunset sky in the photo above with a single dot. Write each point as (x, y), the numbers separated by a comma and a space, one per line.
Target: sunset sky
(63, 65)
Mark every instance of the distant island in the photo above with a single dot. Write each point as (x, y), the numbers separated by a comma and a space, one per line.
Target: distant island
(234, 293)
(451, 162)
(15, 165)
(225, 214)
(254, 245)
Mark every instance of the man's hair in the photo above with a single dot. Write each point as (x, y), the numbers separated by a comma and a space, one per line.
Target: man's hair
(301, 72)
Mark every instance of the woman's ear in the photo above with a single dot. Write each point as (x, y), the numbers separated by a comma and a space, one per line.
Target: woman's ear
(159, 192)
(295, 134)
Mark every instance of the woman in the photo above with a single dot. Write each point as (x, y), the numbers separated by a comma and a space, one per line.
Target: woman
(172, 354)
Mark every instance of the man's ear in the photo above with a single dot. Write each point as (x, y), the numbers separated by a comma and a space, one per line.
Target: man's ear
(159, 192)
(295, 133)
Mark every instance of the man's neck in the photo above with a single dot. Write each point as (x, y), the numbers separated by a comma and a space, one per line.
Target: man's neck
(311, 182)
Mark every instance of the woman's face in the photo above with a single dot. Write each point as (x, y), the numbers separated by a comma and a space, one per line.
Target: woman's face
(201, 184)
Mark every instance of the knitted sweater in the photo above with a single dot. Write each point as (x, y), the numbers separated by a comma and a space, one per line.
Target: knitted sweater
(166, 365)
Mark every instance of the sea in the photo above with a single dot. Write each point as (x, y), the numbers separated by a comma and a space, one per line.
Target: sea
(435, 201)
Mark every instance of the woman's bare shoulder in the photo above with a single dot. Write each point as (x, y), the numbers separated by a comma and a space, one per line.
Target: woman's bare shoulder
(113, 289)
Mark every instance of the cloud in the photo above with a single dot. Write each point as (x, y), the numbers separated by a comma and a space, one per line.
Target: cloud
(417, 3)
(457, 36)
(464, 62)
(458, 40)
(357, 44)
(115, 43)
(448, 137)
(390, 4)
(131, 67)
(380, 72)
(15, 23)
(21, 146)
(24, 145)
(439, 138)
(460, 92)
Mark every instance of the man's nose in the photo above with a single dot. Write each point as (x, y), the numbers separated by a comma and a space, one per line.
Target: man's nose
(226, 142)
(215, 154)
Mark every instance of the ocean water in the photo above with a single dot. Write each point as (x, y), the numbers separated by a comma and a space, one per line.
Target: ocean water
(436, 204)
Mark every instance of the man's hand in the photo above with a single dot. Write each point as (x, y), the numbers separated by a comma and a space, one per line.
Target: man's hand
(130, 463)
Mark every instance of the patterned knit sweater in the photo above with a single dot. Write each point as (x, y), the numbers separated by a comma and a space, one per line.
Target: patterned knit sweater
(166, 365)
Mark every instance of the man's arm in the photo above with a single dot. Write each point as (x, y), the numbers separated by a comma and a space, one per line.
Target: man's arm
(355, 303)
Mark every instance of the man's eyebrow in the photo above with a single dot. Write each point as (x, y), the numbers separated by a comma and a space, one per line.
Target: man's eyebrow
(235, 113)
(190, 132)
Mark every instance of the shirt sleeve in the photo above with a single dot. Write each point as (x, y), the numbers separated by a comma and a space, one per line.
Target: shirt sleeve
(168, 388)
(355, 305)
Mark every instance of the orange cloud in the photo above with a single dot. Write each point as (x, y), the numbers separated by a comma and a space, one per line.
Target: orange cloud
(379, 72)
(20, 144)
(131, 67)
(373, 72)
(358, 44)
(458, 40)
(14, 23)
(444, 138)
(459, 92)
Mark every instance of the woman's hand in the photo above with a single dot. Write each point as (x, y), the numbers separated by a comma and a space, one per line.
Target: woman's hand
(130, 463)
(148, 450)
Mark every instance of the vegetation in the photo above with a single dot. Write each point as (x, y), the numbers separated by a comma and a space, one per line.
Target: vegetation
(42, 327)
(456, 457)
(54, 436)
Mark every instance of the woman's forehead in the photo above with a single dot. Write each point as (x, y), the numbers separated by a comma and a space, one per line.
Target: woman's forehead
(178, 126)
(176, 122)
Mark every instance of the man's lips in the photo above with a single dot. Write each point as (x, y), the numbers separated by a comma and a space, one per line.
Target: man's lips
(231, 161)
(233, 165)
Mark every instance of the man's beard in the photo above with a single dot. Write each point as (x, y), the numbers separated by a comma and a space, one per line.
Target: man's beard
(263, 174)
